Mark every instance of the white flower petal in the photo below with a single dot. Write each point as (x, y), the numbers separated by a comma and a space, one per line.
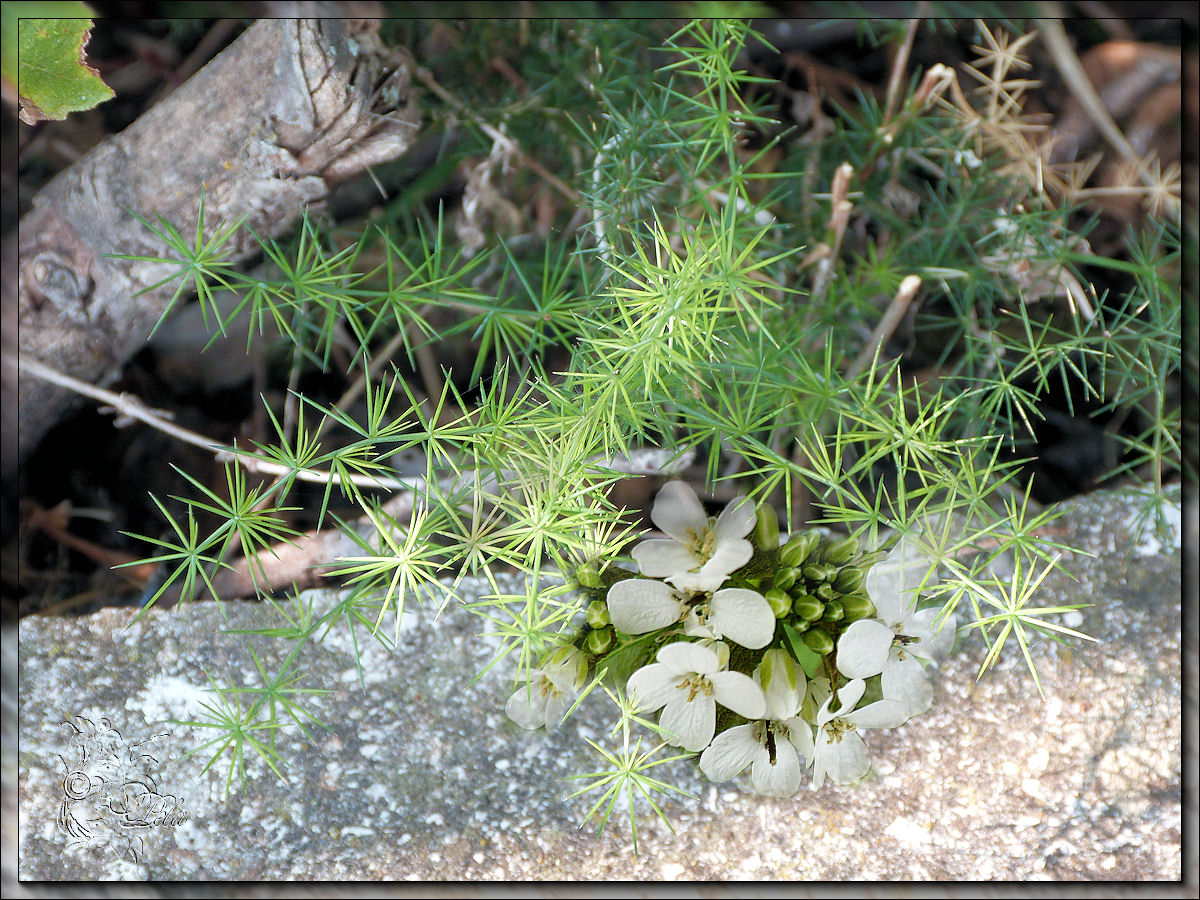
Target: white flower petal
(862, 650)
(557, 705)
(692, 722)
(736, 520)
(738, 692)
(684, 658)
(818, 775)
(729, 555)
(905, 680)
(844, 761)
(891, 583)
(527, 705)
(780, 778)
(880, 714)
(819, 692)
(660, 558)
(701, 553)
(639, 606)
(699, 581)
(743, 616)
(847, 697)
(567, 675)
(934, 644)
(653, 687)
(800, 734)
(730, 752)
(678, 512)
(693, 627)
(722, 650)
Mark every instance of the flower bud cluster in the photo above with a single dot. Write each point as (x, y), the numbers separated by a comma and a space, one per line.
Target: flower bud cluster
(758, 652)
(818, 588)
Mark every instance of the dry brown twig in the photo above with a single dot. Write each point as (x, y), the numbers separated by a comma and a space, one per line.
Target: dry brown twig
(1072, 71)
(128, 407)
(899, 66)
(302, 561)
(887, 324)
(825, 254)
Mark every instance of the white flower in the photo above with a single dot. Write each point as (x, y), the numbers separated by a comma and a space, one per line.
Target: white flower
(547, 696)
(773, 745)
(895, 643)
(639, 605)
(838, 750)
(743, 616)
(687, 682)
(701, 552)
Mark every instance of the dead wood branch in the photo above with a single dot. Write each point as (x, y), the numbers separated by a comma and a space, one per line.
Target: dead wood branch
(262, 132)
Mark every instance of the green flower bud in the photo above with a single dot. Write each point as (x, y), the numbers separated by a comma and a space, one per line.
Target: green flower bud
(597, 614)
(848, 580)
(792, 551)
(798, 548)
(808, 608)
(826, 592)
(833, 612)
(781, 603)
(857, 606)
(785, 578)
(817, 572)
(599, 642)
(588, 577)
(840, 552)
(800, 625)
(818, 641)
(766, 528)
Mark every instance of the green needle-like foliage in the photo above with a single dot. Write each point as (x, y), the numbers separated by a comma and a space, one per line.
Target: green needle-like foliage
(244, 517)
(405, 563)
(241, 728)
(190, 561)
(690, 297)
(626, 780)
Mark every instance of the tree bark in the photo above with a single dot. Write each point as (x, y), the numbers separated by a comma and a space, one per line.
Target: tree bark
(262, 132)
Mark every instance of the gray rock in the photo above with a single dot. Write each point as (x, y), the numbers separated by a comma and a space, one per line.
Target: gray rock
(422, 776)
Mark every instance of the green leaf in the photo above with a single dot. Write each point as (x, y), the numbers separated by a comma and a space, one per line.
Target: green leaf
(51, 72)
(626, 659)
(809, 660)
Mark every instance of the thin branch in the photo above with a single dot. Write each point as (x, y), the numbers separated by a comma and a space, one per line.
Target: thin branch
(131, 407)
(887, 325)
(127, 405)
(1069, 66)
(899, 65)
(431, 375)
(305, 560)
(839, 217)
(298, 561)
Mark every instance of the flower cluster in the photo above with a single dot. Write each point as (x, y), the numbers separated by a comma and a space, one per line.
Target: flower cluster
(759, 652)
